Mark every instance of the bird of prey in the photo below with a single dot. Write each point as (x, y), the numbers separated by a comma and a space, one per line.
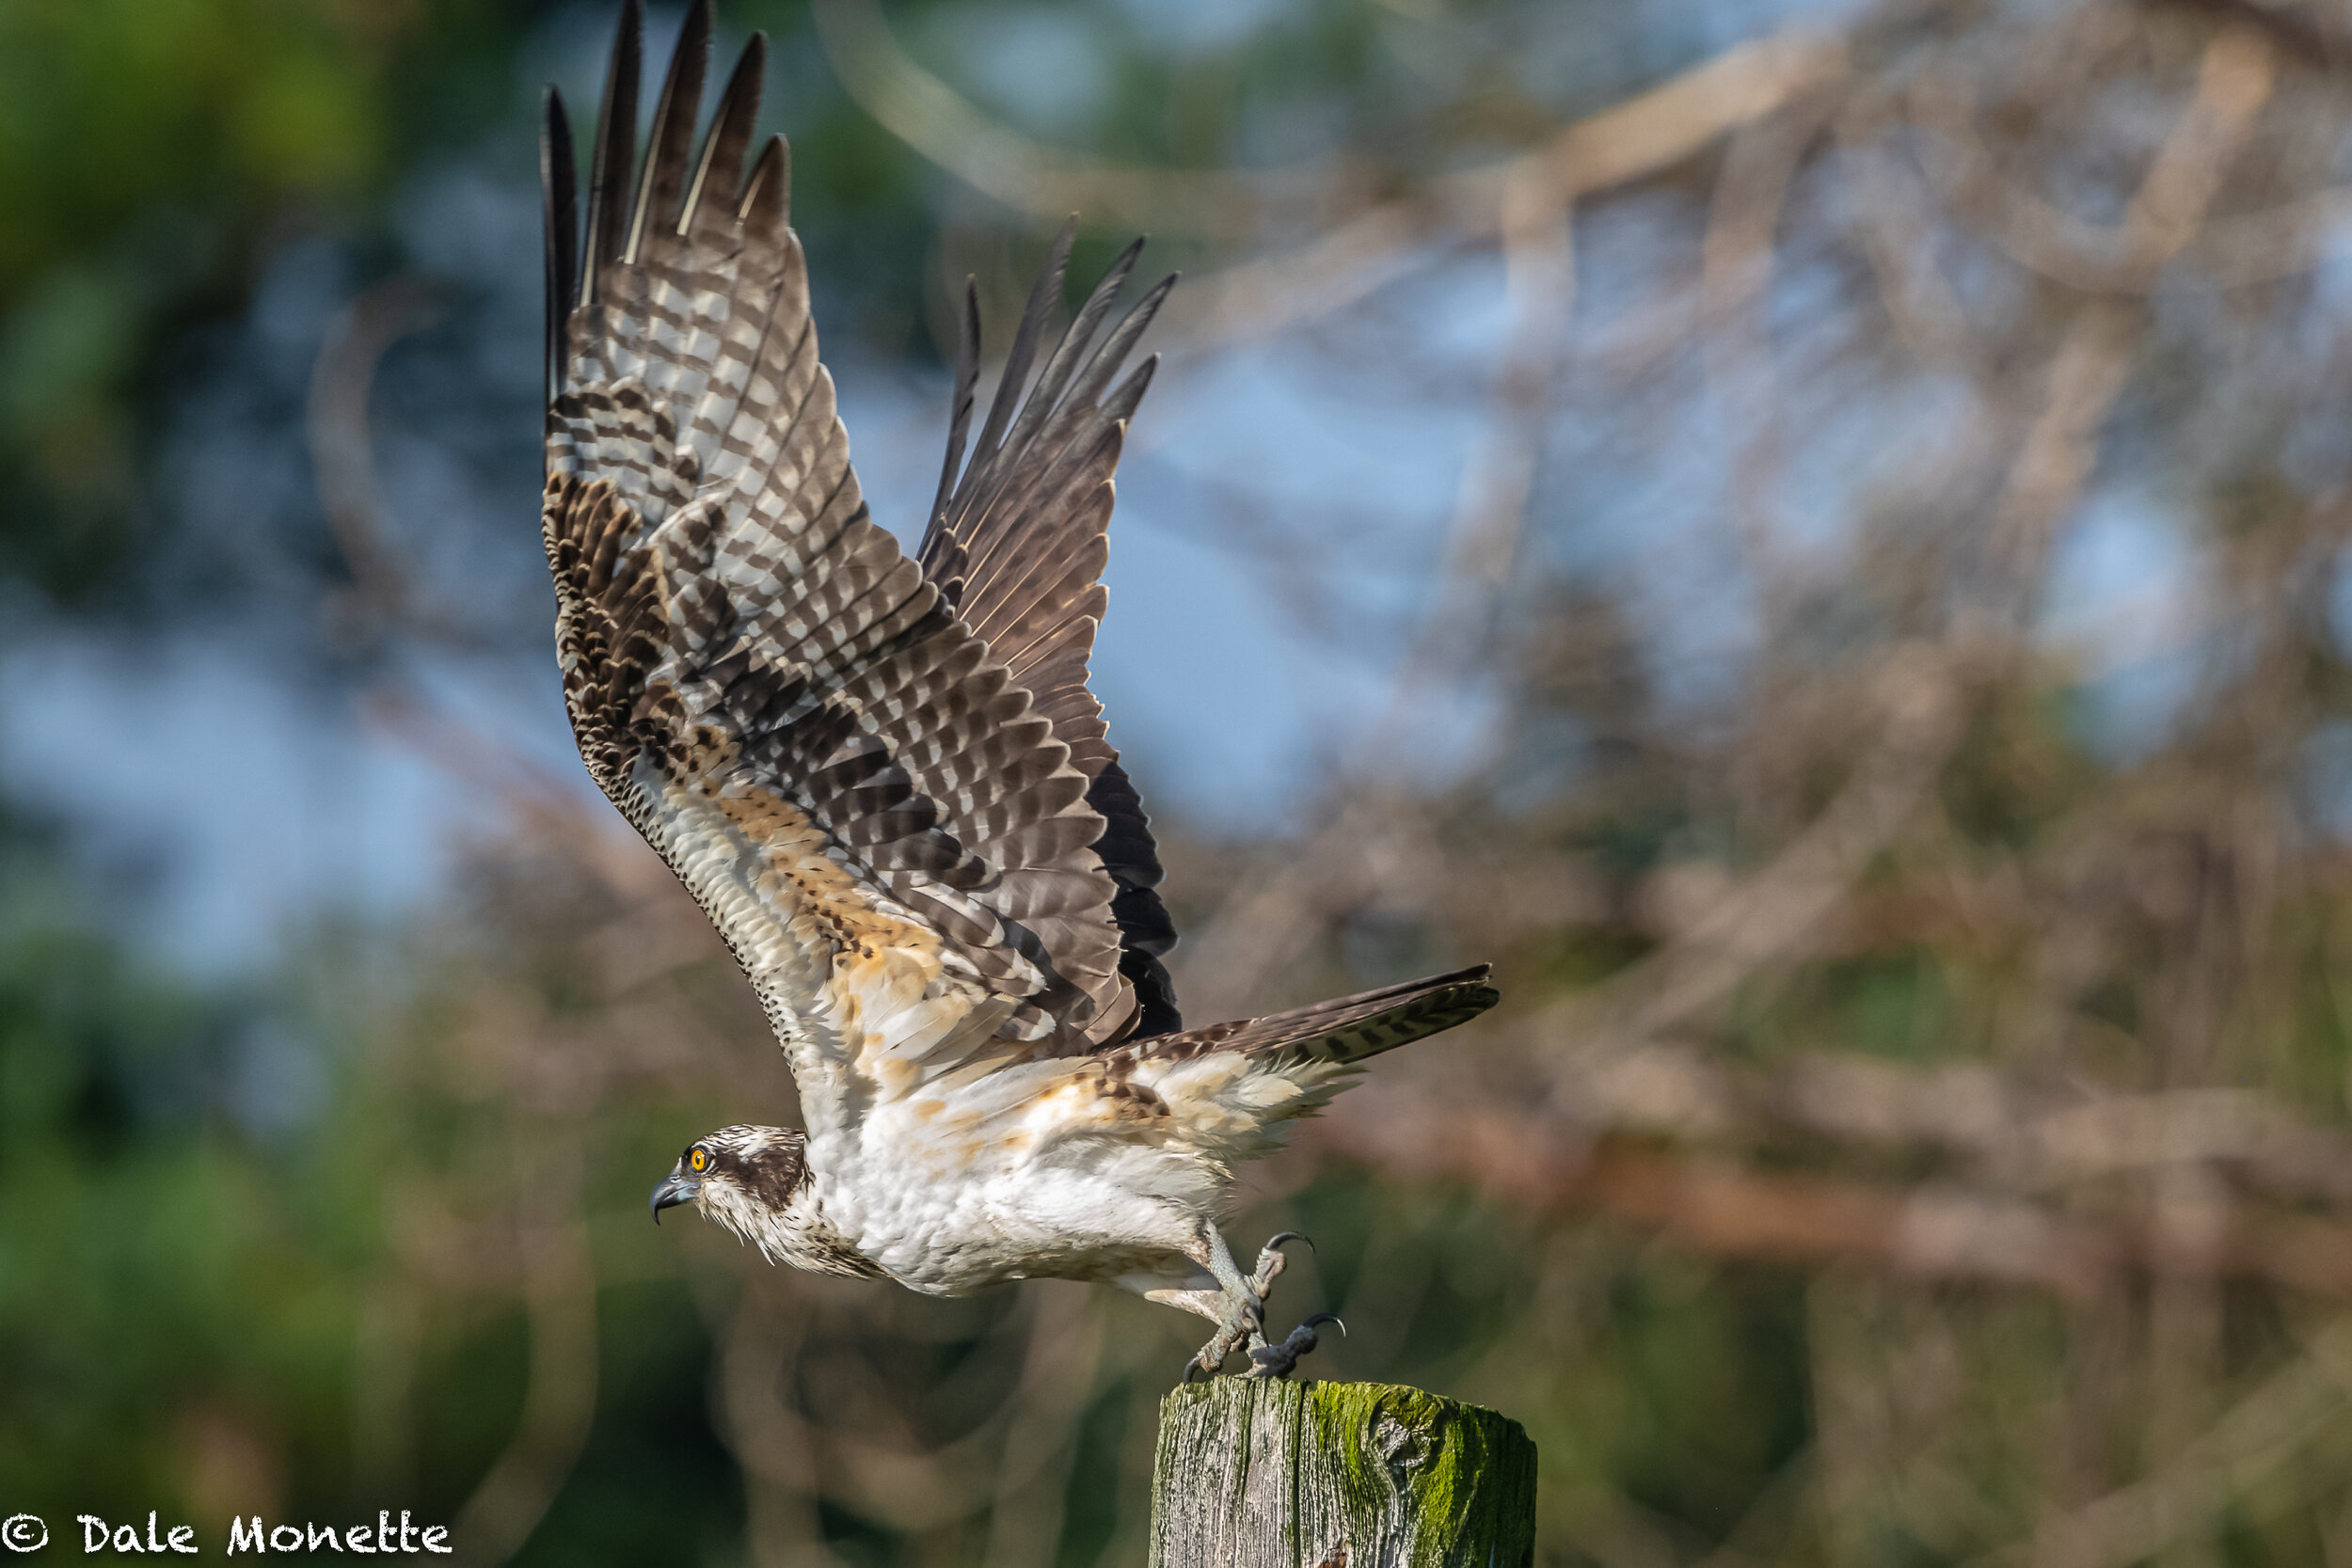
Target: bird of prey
(884, 779)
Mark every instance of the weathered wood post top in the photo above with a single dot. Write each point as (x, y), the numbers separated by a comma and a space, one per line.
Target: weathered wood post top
(1262, 1473)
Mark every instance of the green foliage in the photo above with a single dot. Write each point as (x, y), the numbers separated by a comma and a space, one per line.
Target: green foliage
(143, 148)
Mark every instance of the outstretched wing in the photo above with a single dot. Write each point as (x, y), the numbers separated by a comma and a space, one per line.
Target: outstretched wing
(892, 838)
(1017, 543)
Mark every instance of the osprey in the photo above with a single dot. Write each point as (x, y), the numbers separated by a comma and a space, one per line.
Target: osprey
(884, 779)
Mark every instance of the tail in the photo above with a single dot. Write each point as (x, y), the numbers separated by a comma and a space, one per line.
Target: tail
(1232, 1088)
(1344, 1030)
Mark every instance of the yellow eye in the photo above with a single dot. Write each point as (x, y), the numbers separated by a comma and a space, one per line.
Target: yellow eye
(698, 1159)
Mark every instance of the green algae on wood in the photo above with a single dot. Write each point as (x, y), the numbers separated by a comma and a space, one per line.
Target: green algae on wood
(1254, 1473)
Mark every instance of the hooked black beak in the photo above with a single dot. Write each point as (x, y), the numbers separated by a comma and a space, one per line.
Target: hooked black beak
(674, 1189)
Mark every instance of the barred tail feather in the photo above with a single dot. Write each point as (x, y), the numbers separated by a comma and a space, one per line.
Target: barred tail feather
(1350, 1029)
(1339, 1033)
(1232, 1090)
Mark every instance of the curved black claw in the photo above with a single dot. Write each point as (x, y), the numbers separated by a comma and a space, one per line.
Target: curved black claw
(1272, 1261)
(1282, 1359)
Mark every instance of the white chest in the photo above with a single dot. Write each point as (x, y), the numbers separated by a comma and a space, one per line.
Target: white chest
(1079, 1214)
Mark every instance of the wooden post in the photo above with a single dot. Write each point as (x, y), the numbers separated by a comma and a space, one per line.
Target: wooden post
(1262, 1473)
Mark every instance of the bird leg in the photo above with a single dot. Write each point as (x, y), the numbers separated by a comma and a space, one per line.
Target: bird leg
(1242, 1316)
(1281, 1360)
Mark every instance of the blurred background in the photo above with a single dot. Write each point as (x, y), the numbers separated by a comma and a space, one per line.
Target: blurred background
(1811, 535)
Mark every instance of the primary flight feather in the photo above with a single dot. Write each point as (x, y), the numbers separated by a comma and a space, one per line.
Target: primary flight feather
(885, 779)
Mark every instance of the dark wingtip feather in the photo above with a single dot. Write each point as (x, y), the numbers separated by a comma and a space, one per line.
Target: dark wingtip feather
(1123, 340)
(1121, 404)
(1115, 275)
(730, 134)
(1044, 296)
(559, 193)
(616, 142)
(960, 408)
(1067, 359)
(662, 183)
(767, 191)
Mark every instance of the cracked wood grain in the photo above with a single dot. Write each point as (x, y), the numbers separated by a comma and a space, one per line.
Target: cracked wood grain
(1267, 1474)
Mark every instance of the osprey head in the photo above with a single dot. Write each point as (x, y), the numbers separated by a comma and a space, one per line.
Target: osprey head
(736, 1174)
(754, 1181)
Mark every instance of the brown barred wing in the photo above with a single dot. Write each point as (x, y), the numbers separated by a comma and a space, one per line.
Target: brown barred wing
(862, 796)
(1017, 542)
